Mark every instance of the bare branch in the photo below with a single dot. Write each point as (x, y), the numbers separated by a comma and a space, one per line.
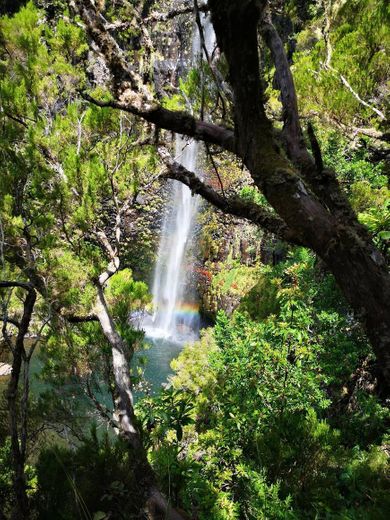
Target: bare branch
(222, 89)
(175, 121)
(112, 268)
(24, 285)
(102, 410)
(16, 119)
(356, 95)
(234, 206)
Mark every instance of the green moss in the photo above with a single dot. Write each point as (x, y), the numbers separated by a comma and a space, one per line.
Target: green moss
(235, 280)
(261, 301)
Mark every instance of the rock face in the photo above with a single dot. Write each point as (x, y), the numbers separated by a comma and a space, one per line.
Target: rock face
(228, 260)
(229, 251)
(142, 224)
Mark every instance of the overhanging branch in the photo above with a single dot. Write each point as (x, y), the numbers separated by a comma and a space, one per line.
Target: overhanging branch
(23, 285)
(133, 96)
(292, 131)
(235, 206)
(174, 121)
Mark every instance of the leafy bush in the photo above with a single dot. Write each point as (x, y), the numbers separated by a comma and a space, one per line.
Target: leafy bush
(269, 435)
(94, 479)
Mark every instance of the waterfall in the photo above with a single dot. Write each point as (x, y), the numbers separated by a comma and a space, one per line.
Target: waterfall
(175, 315)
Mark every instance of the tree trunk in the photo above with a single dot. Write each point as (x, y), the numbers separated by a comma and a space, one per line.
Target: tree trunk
(21, 509)
(18, 439)
(334, 234)
(157, 507)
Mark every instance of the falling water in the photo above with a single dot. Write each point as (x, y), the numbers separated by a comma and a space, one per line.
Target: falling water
(175, 316)
(169, 284)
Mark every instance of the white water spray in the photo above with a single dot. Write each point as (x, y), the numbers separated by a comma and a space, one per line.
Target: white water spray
(173, 316)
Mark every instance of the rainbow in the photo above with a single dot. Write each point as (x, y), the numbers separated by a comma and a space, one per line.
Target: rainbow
(187, 309)
(184, 309)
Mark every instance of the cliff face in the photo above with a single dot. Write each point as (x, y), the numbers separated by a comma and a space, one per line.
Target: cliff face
(223, 252)
(229, 252)
(166, 65)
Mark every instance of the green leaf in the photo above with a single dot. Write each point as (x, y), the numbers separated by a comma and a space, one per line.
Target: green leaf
(384, 235)
(99, 515)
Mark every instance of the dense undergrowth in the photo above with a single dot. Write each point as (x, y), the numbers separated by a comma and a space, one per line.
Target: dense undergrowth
(275, 418)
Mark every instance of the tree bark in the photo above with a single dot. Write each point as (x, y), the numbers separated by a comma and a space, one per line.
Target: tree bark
(156, 505)
(19, 435)
(235, 206)
(120, 366)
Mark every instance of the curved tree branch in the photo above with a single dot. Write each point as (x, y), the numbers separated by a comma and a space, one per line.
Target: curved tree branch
(292, 131)
(322, 181)
(174, 121)
(235, 206)
(23, 285)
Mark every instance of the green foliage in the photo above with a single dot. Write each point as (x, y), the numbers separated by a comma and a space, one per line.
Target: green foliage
(377, 221)
(7, 496)
(252, 194)
(192, 366)
(352, 166)
(61, 182)
(83, 483)
(197, 91)
(62, 190)
(171, 410)
(6, 474)
(272, 414)
(261, 300)
(365, 67)
(126, 295)
(230, 282)
(365, 183)
(271, 437)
